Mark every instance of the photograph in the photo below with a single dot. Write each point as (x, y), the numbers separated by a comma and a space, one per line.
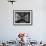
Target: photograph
(22, 22)
(22, 17)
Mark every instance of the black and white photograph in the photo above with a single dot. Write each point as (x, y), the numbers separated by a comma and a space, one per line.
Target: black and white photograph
(22, 17)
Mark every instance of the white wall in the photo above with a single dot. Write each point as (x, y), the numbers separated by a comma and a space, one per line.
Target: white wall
(38, 30)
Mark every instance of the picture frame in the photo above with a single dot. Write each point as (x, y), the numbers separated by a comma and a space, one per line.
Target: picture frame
(22, 17)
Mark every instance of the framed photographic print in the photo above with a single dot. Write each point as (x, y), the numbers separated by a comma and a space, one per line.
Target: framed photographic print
(22, 17)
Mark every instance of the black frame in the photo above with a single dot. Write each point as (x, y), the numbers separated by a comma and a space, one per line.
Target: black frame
(31, 19)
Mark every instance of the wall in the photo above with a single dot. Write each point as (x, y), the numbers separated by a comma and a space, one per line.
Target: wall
(38, 30)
